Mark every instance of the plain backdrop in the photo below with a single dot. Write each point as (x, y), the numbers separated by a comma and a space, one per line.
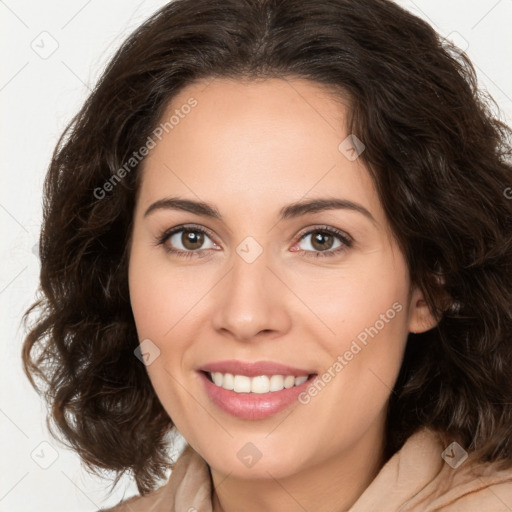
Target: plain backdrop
(53, 53)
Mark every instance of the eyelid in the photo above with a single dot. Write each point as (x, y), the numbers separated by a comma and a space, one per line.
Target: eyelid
(184, 227)
(345, 237)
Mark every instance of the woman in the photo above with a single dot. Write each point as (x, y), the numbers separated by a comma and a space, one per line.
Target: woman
(282, 229)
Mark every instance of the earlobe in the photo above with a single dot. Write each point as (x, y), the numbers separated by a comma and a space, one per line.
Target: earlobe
(421, 319)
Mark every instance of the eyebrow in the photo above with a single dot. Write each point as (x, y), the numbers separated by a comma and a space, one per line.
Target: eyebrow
(292, 210)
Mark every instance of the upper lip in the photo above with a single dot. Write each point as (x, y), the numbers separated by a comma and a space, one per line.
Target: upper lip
(254, 369)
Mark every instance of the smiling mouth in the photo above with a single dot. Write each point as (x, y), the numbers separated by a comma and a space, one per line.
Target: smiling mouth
(259, 384)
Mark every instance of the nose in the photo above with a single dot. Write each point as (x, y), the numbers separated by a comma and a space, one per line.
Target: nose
(251, 301)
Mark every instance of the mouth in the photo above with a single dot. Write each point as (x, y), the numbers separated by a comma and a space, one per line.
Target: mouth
(254, 391)
(259, 384)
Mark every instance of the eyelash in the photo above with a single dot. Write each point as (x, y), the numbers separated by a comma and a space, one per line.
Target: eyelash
(343, 237)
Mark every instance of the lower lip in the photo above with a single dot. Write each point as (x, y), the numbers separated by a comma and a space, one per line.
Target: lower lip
(253, 406)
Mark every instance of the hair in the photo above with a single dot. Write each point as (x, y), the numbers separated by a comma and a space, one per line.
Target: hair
(440, 159)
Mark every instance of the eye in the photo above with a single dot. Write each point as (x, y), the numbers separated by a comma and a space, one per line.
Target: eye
(324, 241)
(186, 241)
(189, 241)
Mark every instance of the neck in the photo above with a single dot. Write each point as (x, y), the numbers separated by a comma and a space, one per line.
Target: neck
(334, 485)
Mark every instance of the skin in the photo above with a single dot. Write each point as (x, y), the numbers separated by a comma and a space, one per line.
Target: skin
(249, 149)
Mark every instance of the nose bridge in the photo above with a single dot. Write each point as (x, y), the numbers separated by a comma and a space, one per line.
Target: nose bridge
(251, 298)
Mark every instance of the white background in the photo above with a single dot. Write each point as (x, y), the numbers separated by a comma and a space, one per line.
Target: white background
(38, 97)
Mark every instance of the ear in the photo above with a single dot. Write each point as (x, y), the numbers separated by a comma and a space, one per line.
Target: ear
(421, 318)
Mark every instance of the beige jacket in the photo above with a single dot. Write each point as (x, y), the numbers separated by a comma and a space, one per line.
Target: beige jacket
(415, 479)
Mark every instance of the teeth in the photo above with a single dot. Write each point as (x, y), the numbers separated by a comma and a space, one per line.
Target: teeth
(242, 383)
(260, 384)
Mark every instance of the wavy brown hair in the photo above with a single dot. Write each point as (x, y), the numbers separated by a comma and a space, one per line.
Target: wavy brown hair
(435, 148)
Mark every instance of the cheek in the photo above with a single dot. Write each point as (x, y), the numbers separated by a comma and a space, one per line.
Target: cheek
(359, 301)
(158, 306)
(164, 302)
(359, 373)
(367, 315)
(159, 297)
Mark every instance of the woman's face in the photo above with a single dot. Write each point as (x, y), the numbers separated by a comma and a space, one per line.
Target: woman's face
(322, 291)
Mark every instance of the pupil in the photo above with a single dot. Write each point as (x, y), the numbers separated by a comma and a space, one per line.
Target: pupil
(192, 239)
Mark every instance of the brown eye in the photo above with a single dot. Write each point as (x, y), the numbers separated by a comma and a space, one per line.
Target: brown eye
(324, 242)
(185, 241)
(321, 240)
(192, 240)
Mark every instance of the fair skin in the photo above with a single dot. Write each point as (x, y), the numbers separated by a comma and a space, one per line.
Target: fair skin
(250, 149)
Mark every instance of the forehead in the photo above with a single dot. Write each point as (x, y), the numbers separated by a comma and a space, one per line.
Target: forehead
(278, 139)
(275, 119)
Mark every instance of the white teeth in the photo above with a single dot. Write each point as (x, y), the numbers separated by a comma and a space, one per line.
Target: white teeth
(217, 378)
(228, 382)
(276, 383)
(289, 381)
(242, 384)
(260, 384)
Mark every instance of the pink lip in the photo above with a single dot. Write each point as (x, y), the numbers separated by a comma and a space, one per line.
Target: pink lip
(252, 406)
(254, 369)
